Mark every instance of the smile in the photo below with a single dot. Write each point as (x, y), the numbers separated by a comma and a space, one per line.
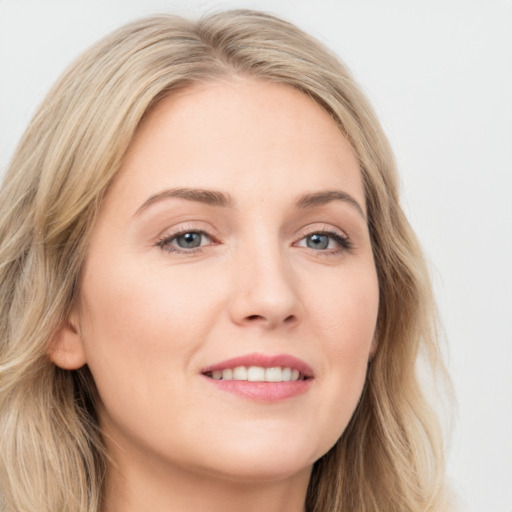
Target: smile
(257, 374)
(261, 377)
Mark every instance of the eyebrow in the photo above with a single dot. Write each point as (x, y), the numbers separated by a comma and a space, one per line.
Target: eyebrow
(320, 198)
(220, 199)
(209, 197)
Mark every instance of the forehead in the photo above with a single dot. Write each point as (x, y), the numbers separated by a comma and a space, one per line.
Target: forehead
(247, 136)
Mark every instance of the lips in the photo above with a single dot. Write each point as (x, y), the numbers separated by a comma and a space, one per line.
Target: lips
(261, 377)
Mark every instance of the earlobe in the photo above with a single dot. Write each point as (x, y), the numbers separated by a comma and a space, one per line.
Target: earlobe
(66, 348)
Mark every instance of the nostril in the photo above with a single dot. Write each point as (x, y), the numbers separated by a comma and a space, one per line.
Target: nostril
(288, 320)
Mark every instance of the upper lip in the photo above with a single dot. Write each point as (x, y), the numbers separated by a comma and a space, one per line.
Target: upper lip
(265, 361)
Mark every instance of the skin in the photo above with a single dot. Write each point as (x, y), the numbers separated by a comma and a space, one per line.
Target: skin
(152, 315)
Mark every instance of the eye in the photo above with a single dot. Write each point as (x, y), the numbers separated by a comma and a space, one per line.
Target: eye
(327, 241)
(185, 242)
(318, 241)
(190, 240)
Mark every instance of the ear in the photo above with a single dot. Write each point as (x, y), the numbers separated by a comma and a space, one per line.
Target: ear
(66, 349)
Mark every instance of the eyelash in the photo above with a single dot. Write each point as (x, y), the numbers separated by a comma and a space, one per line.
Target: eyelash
(343, 242)
(165, 242)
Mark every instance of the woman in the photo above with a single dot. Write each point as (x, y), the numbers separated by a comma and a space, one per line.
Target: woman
(212, 298)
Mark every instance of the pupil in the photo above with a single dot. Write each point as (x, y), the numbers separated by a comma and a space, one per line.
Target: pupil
(318, 241)
(189, 240)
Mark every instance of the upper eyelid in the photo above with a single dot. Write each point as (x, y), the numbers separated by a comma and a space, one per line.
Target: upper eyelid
(321, 228)
(186, 227)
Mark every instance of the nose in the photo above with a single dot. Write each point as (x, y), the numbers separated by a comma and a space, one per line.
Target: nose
(265, 291)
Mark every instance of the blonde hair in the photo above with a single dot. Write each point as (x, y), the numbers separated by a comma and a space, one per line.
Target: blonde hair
(391, 455)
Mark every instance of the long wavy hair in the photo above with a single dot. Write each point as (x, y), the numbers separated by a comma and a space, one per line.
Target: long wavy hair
(390, 457)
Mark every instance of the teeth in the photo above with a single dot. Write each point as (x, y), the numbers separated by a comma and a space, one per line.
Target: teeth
(257, 374)
(274, 374)
(240, 373)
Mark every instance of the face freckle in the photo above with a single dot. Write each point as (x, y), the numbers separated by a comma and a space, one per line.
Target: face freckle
(234, 236)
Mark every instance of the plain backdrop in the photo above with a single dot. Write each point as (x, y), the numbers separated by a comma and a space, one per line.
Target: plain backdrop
(439, 74)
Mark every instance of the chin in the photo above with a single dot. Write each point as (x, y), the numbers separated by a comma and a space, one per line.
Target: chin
(250, 461)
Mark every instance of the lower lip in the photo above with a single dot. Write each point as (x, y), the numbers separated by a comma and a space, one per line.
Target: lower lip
(263, 391)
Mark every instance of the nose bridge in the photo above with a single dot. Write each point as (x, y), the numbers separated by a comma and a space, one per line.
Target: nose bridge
(266, 289)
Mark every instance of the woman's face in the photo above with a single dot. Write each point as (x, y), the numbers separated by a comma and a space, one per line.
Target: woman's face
(232, 245)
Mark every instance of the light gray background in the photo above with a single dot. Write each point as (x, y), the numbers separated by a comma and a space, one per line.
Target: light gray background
(439, 74)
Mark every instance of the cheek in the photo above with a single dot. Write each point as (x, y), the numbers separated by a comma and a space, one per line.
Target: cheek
(345, 310)
(126, 300)
(344, 319)
(138, 324)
